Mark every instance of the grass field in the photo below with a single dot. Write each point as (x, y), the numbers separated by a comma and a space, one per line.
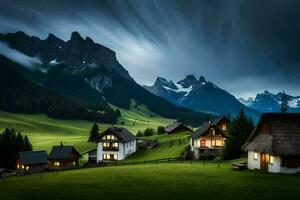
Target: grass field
(162, 181)
(170, 146)
(45, 132)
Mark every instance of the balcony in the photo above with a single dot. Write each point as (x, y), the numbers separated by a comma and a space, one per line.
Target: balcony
(110, 149)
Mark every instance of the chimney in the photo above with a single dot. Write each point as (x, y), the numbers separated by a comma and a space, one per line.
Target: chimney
(61, 144)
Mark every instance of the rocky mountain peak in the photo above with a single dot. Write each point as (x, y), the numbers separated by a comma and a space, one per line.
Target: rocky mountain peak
(75, 36)
(202, 79)
(188, 81)
(164, 82)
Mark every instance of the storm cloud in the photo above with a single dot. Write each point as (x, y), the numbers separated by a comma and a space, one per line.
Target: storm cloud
(243, 46)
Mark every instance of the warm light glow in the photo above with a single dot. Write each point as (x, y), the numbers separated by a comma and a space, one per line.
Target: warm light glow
(74, 163)
(272, 160)
(219, 143)
(116, 145)
(108, 137)
(255, 156)
(115, 156)
(202, 143)
(27, 168)
(56, 163)
(23, 166)
(18, 166)
(105, 144)
(224, 127)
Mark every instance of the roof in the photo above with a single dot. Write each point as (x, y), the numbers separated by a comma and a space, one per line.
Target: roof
(216, 121)
(203, 129)
(174, 125)
(121, 133)
(282, 137)
(33, 157)
(62, 152)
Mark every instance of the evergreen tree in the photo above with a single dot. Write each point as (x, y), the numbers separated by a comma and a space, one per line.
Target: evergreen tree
(94, 132)
(149, 132)
(239, 130)
(139, 134)
(160, 130)
(27, 145)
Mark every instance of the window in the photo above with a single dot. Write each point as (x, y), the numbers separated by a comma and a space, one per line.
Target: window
(18, 166)
(255, 156)
(219, 143)
(224, 127)
(23, 166)
(202, 143)
(27, 168)
(271, 160)
(105, 144)
(108, 137)
(213, 131)
(56, 163)
(115, 157)
(115, 145)
(74, 163)
(213, 143)
(105, 156)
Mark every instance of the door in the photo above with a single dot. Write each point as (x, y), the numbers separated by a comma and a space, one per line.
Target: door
(264, 161)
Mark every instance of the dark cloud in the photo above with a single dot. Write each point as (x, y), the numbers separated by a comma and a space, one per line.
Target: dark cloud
(244, 46)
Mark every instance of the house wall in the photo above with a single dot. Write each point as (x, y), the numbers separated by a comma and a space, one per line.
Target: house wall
(130, 148)
(120, 153)
(276, 166)
(253, 163)
(38, 168)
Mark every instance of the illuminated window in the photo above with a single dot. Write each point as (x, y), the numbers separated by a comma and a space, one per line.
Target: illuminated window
(224, 127)
(255, 156)
(213, 143)
(271, 160)
(27, 168)
(56, 163)
(115, 144)
(105, 156)
(74, 163)
(18, 166)
(23, 166)
(112, 137)
(115, 157)
(219, 143)
(105, 144)
(108, 137)
(202, 143)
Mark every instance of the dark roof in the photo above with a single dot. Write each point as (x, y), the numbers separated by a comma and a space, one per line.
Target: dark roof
(174, 125)
(121, 133)
(216, 121)
(62, 152)
(203, 129)
(33, 157)
(281, 138)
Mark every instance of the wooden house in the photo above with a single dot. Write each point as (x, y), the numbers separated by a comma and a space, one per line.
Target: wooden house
(177, 127)
(29, 162)
(63, 157)
(115, 144)
(273, 145)
(210, 138)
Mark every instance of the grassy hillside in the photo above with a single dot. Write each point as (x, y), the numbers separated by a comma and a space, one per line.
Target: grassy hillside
(44, 132)
(162, 181)
(170, 146)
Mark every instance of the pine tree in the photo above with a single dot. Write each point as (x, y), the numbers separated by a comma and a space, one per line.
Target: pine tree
(239, 130)
(94, 132)
(27, 145)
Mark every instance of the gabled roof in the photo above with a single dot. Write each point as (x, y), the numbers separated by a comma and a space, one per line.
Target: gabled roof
(204, 128)
(121, 133)
(216, 121)
(282, 137)
(33, 157)
(62, 152)
(174, 125)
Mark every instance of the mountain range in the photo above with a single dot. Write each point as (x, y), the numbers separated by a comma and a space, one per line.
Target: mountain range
(269, 102)
(200, 95)
(84, 71)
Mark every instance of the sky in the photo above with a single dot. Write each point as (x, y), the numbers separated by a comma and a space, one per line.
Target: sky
(243, 46)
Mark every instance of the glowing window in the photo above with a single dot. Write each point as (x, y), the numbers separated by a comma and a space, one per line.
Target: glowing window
(224, 127)
(105, 144)
(115, 156)
(219, 143)
(27, 168)
(202, 143)
(74, 163)
(115, 144)
(108, 137)
(18, 166)
(255, 156)
(271, 160)
(23, 166)
(56, 163)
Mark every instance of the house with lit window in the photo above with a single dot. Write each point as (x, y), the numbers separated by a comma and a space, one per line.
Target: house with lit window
(115, 144)
(210, 138)
(63, 157)
(29, 162)
(273, 145)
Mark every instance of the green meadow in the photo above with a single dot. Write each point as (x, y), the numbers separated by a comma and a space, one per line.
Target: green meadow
(150, 181)
(44, 132)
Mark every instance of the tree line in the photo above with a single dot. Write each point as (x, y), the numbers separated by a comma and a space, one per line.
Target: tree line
(11, 143)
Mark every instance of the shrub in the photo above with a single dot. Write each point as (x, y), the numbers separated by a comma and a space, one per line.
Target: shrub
(149, 132)
(160, 130)
(139, 134)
